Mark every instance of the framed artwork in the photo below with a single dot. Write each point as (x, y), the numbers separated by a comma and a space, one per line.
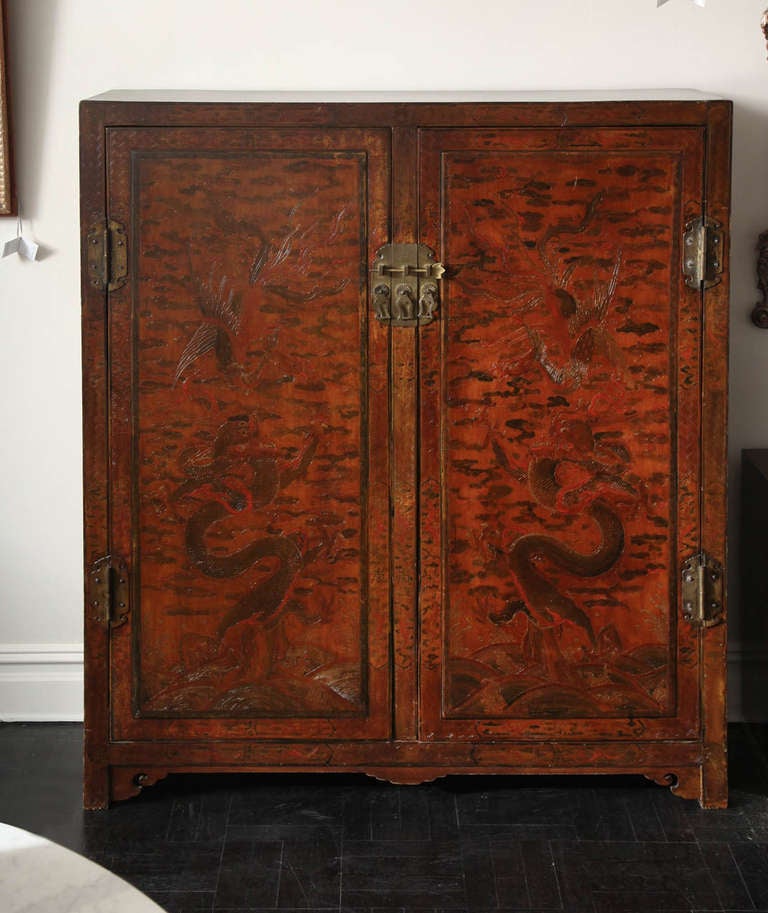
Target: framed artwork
(7, 201)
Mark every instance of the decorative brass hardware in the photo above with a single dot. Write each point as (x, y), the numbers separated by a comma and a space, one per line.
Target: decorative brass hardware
(702, 253)
(702, 591)
(107, 255)
(404, 285)
(108, 591)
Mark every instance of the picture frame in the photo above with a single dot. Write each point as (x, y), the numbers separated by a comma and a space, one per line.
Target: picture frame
(7, 195)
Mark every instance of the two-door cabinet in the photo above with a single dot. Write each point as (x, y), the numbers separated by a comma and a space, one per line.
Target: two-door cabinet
(404, 436)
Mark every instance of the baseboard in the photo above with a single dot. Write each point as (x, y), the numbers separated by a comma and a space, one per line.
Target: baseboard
(44, 682)
(41, 682)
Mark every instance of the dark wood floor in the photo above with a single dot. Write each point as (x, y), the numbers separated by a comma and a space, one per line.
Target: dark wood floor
(587, 845)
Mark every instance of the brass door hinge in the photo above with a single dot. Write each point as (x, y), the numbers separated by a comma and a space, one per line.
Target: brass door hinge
(702, 591)
(404, 284)
(702, 253)
(108, 591)
(107, 255)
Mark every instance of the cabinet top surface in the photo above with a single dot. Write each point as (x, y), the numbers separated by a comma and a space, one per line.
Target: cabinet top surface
(447, 97)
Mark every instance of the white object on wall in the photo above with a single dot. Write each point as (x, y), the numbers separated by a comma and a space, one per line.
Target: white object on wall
(697, 2)
(20, 245)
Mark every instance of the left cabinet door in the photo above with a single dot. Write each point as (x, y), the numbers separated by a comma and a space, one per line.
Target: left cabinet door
(247, 434)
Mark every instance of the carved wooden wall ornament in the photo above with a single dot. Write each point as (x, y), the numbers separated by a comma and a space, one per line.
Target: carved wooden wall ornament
(760, 310)
(407, 453)
(764, 25)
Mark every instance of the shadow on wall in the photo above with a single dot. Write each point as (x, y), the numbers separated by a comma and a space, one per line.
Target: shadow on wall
(31, 30)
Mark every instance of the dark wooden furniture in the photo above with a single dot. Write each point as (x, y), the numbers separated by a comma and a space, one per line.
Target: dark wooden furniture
(752, 634)
(344, 513)
(7, 192)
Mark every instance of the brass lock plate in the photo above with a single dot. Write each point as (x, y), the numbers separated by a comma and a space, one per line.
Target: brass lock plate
(405, 284)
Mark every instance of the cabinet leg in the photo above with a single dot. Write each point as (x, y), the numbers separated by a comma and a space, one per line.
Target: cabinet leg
(714, 780)
(95, 785)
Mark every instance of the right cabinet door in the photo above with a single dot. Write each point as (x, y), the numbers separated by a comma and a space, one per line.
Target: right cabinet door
(560, 429)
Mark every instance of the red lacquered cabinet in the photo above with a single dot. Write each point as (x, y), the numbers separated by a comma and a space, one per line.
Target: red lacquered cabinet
(404, 436)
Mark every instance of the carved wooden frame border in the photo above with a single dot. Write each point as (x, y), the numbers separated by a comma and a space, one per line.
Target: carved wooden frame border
(7, 196)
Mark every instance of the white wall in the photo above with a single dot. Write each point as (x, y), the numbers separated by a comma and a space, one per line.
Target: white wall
(65, 50)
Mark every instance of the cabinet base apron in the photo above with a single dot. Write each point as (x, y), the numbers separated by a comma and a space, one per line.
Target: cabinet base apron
(129, 767)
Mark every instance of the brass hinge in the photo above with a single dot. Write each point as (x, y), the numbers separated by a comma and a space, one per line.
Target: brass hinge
(702, 591)
(108, 591)
(107, 255)
(404, 283)
(702, 253)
